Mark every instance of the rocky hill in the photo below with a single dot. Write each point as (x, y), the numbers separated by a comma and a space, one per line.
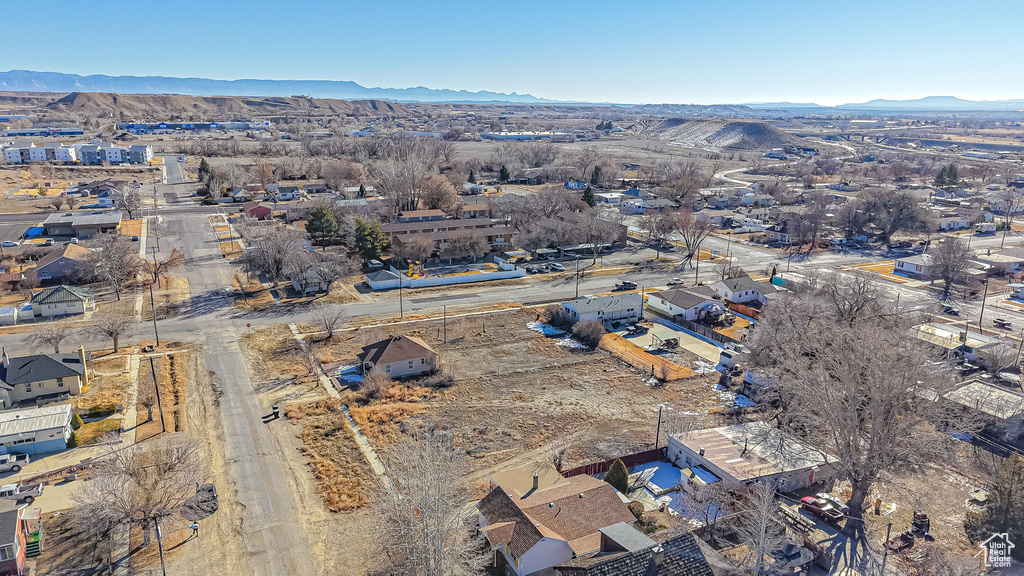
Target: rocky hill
(718, 135)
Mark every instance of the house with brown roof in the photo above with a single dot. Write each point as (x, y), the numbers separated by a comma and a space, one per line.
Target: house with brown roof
(699, 303)
(399, 357)
(257, 211)
(626, 552)
(67, 264)
(534, 518)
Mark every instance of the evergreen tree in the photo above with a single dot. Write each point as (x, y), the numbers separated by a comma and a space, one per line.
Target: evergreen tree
(371, 241)
(503, 174)
(1005, 509)
(362, 191)
(472, 177)
(204, 170)
(618, 476)
(588, 197)
(600, 126)
(595, 176)
(940, 178)
(322, 224)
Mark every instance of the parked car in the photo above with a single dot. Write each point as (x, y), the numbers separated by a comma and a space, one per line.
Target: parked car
(48, 242)
(558, 267)
(821, 509)
(135, 238)
(835, 501)
(13, 462)
(625, 285)
(543, 268)
(637, 329)
(73, 241)
(8, 243)
(675, 282)
(21, 492)
(951, 310)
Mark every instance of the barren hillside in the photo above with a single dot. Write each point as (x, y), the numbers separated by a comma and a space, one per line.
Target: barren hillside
(716, 135)
(161, 107)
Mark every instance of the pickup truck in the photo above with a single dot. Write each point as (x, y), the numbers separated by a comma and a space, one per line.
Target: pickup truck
(821, 509)
(625, 285)
(12, 462)
(21, 492)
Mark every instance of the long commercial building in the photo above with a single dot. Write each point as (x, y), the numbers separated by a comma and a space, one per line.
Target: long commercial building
(84, 153)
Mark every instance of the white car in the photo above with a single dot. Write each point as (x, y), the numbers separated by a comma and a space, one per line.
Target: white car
(675, 282)
(558, 267)
(8, 243)
(73, 241)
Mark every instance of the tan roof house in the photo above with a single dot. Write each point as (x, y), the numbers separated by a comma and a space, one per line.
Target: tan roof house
(399, 357)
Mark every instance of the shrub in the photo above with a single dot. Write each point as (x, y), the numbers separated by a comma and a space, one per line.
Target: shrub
(376, 384)
(76, 422)
(73, 440)
(555, 315)
(589, 332)
(637, 509)
(618, 476)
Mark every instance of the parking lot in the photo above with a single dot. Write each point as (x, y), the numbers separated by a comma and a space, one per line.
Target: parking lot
(658, 333)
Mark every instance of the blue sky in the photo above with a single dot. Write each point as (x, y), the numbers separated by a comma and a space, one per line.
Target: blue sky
(682, 51)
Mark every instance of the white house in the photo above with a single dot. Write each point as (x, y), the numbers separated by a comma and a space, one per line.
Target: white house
(36, 430)
(954, 223)
(37, 154)
(693, 304)
(741, 290)
(611, 311)
(916, 265)
(956, 341)
(106, 199)
(751, 452)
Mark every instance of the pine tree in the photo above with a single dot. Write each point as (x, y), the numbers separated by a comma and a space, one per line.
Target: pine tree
(618, 476)
(588, 197)
(371, 241)
(595, 176)
(204, 170)
(322, 225)
(504, 175)
(362, 191)
(940, 178)
(472, 177)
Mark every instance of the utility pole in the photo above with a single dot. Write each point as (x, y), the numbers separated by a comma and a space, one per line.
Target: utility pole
(657, 435)
(156, 387)
(445, 322)
(885, 554)
(152, 304)
(159, 543)
(1020, 348)
(156, 217)
(401, 304)
(577, 276)
(982, 315)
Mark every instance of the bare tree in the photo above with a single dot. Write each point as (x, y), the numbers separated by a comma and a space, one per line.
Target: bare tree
(597, 231)
(949, 262)
(438, 194)
(271, 249)
(999, 357)
(57, 201)
(71, 202)
(470, 243)
(420, 522)
(127, 198)
(693, 231)
(115, 262)
(376, 384)
(415, 247)
(658, 224)
(147, 401)
(325, 267)
(53, 334)
(113, 325)
(728, 269)
(328, 317)
(143, 483)
(854, 382)
(161, 267)
(892, 212)
(757, 525)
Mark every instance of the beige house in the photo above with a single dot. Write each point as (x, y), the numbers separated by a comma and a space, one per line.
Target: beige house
(41, 377)
(399, 357)
(62, 301)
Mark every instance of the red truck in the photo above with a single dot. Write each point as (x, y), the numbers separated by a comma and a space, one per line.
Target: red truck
(822, 509)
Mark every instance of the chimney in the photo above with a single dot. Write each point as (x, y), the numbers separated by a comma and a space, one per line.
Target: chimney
(81, 358)
(659, 555)
(701, 450)
(536, 481)
(7, 361)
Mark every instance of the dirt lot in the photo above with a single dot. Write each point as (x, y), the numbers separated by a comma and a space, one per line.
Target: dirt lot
(108, 384)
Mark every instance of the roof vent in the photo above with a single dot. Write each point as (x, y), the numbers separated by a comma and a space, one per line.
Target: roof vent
(581, 494)
(551, 504)
(701, 450)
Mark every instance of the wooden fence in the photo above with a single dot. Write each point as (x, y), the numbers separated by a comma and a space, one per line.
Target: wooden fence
(637, 357)
(629, 460)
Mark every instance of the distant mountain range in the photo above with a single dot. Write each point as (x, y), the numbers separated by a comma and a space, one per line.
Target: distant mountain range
(29, 81)
(928, 103)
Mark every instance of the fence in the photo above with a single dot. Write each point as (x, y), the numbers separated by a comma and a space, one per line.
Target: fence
(745, 310)
(629, 460)
(637, 357)
(702, 330)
